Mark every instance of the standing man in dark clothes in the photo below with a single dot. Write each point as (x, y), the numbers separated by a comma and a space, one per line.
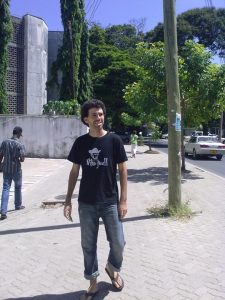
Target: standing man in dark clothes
(99, 153)
(13, 152)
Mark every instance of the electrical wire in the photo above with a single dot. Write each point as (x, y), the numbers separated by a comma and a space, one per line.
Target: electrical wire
(209, 3)
(92, 8)
(89, 5)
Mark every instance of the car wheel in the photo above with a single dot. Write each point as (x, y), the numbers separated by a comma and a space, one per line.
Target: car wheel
(219, 157)
(194, 154)
(185, 153)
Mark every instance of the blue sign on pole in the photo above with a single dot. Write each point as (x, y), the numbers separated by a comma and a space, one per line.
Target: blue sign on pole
(178, 122)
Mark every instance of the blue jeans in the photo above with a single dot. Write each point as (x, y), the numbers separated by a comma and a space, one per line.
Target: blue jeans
(7, 180)
(89, 224)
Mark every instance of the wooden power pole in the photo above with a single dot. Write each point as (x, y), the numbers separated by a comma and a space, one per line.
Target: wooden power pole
(173, 104)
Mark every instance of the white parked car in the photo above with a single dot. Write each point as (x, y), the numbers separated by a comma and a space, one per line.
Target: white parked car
(204, 145)
(164, 136)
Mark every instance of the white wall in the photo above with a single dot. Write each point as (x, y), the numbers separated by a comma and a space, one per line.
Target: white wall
(35, 64)
(44, 136)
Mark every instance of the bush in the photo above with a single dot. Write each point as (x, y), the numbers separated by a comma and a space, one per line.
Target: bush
(70, 107)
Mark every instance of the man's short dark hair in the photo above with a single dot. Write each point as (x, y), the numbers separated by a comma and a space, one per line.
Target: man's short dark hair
(17, 130)
(94, 103)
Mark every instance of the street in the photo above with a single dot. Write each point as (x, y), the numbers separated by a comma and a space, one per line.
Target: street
(210, 164)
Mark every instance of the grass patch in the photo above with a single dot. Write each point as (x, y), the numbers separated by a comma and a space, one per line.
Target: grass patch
(182, 212)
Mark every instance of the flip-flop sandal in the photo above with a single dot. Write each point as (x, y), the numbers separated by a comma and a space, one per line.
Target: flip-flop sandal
(89, 295)
(115, 280)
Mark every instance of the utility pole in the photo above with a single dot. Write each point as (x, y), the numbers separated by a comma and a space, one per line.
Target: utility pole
(72, 57)
(173, 104)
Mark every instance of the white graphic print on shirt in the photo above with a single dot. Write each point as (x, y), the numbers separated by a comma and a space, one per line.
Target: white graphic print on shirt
(94, 161)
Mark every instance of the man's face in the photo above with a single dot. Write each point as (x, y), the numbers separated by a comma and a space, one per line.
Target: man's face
(95, 118)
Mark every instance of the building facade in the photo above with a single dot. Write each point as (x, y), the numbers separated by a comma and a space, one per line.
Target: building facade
(27, 66)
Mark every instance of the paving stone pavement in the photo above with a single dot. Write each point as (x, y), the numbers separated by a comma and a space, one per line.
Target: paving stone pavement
(41, 257)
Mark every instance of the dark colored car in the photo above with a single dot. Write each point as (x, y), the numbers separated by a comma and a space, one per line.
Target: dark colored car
(125, 136)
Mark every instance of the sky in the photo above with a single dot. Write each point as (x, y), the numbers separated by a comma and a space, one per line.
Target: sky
(107, 12)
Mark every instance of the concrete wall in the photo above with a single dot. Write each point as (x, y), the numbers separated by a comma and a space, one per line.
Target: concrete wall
(35, 64)
(44, 136)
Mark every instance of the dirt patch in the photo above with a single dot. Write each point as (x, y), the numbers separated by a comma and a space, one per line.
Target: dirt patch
(151, 152)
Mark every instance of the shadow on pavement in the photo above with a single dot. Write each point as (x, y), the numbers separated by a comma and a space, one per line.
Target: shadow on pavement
(63, 197)
(66, 226)
(104, 289)
(157, 175)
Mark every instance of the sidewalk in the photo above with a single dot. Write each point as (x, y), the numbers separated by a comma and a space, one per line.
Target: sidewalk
(41, 256)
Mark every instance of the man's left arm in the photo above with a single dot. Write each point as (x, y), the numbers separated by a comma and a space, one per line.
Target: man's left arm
(22, 153)
(122, 207)
(1, 153)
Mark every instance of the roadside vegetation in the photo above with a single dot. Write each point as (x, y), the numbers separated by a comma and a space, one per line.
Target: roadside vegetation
(182, 212)
(5, 37)
(125, 68)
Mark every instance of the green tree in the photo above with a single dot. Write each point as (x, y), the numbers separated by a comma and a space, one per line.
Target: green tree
(201, 86)
(85, 86)
(147, 95)
(5, 36)
(123, 36)
(73, 56)
(112, 71)
(205, 25)
(97, 35)
(72, 13)
(109, 84)
(201, 94)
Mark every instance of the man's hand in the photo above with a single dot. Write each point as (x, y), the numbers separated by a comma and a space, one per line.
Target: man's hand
(67, 211)
(122, 209)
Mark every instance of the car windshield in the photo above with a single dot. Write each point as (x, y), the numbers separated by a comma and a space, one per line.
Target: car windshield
(207, 139)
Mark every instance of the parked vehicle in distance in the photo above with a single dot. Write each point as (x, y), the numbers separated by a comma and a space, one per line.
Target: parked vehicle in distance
(204, 145)
(197, 133)
(164, 136)
(125, 136)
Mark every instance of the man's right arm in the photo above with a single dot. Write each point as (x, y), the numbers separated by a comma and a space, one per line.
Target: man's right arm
(74, 173)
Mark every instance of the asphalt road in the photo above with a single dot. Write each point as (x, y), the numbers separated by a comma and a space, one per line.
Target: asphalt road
(210, 164)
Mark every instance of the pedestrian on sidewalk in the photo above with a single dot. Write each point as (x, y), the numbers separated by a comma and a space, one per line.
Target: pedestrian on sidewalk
(12, 152)
(99, 153)
(133, 142)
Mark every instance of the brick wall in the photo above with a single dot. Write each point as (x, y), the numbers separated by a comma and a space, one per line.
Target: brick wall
(15, 73)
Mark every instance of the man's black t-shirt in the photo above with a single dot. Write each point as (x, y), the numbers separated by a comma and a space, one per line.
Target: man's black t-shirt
(98, 158)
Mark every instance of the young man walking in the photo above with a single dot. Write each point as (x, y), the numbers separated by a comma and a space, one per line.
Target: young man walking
(99, 153)
(13, 152)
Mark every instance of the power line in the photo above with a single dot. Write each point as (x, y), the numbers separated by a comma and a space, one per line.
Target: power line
(95, 9)
(89, 5)
(209, 3)
(92, 7)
